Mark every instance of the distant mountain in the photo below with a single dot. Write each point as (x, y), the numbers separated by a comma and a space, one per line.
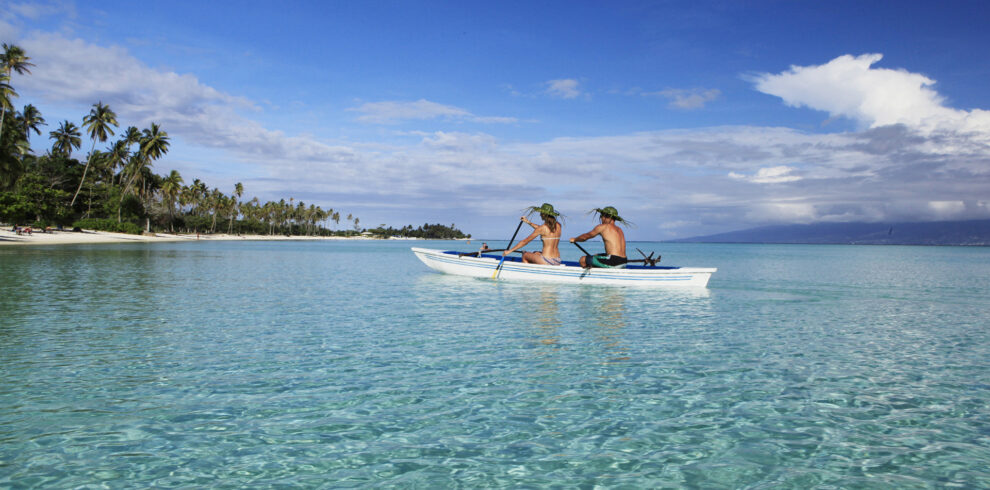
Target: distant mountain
(973, 233)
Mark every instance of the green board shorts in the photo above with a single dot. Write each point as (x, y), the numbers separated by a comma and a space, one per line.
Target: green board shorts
(605, 261)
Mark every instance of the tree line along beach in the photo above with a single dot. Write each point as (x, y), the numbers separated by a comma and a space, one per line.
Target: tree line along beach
(115, 196)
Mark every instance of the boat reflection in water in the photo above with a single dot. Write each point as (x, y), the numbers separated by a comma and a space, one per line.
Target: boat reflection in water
(548, 321)
(608, 325)
(606, 308)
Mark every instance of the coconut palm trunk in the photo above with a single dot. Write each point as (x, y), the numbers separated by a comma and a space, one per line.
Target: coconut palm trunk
(99, 122)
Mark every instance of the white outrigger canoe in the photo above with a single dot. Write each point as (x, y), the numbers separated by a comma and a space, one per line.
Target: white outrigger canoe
(453, 262)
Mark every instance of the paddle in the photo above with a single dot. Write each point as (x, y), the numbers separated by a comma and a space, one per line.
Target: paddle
(498, 268)
(583, 250)
(479, 252)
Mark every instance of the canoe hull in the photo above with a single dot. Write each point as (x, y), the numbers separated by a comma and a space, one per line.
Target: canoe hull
(514, 270)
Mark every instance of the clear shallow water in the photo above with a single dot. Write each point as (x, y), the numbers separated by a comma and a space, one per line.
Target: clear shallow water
(350, 364)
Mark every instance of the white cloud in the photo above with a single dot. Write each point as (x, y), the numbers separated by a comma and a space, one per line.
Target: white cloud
(566, 88)
(395, 111)
(947, 208)
(688, 98)
(702, 176)
(768, 175)
(36, 10)
(783, 212)
(849, 86)
(75, 71)
(452, 141)
(7, 30)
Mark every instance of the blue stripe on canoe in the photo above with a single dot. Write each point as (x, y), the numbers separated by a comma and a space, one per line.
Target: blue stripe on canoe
(569, 263)
(579, 273)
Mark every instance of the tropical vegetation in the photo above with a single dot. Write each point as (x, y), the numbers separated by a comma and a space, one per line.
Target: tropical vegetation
(114, 188)
(435, 231)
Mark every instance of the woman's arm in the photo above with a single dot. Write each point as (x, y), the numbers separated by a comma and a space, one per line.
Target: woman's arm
(523, 243)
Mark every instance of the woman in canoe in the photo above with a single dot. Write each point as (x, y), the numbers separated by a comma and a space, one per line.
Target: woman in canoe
(549, 233)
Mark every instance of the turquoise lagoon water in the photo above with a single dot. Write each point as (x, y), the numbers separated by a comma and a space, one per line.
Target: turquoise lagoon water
(350, 364)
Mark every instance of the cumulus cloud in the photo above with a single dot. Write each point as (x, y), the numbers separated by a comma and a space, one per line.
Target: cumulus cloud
(74, 71)
(850, 86)
(686, 181)
(566, 88)
(396, 111)
(7, 30)
(36, 10)
(688, 98)
(768, 175)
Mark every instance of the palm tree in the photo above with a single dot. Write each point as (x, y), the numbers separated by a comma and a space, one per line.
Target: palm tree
(152, 146)
(66, 139)
(154, 142)
(213, 202)
(132, 136)
(190, 196)
(13, 59)
(118, 155)
(170, 191)
(234, 205)
(6, 94)
(30, 120)
(100, 123)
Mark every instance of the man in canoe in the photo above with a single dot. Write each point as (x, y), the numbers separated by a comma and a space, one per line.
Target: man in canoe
(615, 240)
(549, 233)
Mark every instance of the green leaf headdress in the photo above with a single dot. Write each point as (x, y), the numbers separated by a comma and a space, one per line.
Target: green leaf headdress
(611, 213)
(546, 209)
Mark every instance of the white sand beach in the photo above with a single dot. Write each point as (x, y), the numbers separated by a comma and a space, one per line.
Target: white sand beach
(8, 237)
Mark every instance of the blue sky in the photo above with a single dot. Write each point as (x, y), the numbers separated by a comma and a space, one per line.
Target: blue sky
(689, 117)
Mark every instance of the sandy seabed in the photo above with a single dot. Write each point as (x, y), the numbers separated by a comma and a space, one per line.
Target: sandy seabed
(8, 237)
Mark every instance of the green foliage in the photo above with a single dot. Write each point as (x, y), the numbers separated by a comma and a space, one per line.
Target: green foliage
(196, 223)
(57, 171)
(116, 185)
(107, 224)
(427, 231)
(15, 208)
(11, 145)
(131, 208)
(33, 200)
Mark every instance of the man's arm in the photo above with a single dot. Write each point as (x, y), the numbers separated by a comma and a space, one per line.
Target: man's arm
(587, 236)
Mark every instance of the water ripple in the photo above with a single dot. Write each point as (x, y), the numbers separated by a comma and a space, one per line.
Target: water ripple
(349, 365)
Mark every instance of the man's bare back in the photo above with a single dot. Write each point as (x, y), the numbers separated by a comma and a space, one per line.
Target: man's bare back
(614, 238)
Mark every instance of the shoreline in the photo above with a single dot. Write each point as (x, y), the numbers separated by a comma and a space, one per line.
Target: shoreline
(8, 237)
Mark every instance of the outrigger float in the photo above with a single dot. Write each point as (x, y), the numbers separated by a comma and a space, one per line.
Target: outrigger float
(486, 264)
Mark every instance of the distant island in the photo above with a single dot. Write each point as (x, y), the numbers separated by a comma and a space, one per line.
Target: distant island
(962, 233)
(427, 231)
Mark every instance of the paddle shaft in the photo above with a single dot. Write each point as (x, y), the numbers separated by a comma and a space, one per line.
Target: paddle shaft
(487, 251)
(498, 268)
(645, 261)
(581, 248)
